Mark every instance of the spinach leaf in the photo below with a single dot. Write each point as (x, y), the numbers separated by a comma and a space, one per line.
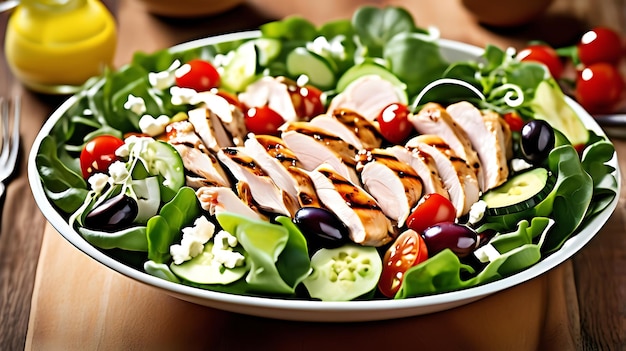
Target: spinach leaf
(165, 228)
(376, 26)
(131, 239)
(65, 188)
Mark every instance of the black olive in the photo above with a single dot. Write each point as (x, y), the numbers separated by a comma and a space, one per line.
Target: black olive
(321, 228)
(537, 140)
(114, 214)
(462, 240)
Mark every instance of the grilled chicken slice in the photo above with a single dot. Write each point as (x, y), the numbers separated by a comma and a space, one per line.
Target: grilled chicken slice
(458, 177)
(210, 129)
(334, 126)
(277, 148)
(229, 116)
(307, 197)
(394, 184)
(313, 146)
(357, 209)
(366, 131)
(367, 95)
(201, 166)
(434, 120)
(222, 199)
(271, 164)
(425, 166)
(263, 189)
(488, 136)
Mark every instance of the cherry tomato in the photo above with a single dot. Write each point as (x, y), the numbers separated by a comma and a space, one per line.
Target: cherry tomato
(600, 45)
(394, 123)
(432, 209)
(98, 154)
(262, 120)
(514, 121)
(543, 54)
(197, 74)
(599, 87)
(408, 250)
(306, 99)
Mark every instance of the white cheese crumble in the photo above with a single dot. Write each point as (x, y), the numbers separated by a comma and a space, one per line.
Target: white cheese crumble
(98, 181)
(518, 164)
(194, 238)
(486, 253)
(118, 172)
(182, 96)
(164, 79)
(153, 126)
(135, 104)
(223, 252)
(477, 211)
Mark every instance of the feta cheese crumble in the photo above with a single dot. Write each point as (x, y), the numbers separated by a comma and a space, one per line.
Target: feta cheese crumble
(182, 96)
(194, 238)
(223, 252)
(477, 212)
(98, 181)
(518, 164)
(135, 104)
(118, 172)
(153, 126)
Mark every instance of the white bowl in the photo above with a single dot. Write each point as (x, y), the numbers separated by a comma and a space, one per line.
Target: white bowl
(302, 310)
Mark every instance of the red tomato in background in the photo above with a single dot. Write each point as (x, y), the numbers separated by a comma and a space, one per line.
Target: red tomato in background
(600, 44)
(599, 87)
(197, 74)
(514, 121)
(408, 250)
(307, 100)
(394, 123)
(543, 54)
(262, 120)
(98, 154)
(432, 209)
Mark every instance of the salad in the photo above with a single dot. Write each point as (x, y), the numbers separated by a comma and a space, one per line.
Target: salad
(336, 162)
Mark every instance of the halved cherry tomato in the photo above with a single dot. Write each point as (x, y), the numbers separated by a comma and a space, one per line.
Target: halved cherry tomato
(98, 154)
(263, 120)
(197, 74)
(600, 44)
(408, 250)
(514, 121)
(543, 54)
(306, 99)
(432, 209)
(394, 123)
(599, 87)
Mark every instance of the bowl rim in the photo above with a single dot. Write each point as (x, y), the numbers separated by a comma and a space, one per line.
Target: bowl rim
(309, 310)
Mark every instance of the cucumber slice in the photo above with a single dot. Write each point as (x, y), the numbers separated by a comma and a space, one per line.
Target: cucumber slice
(242, 69)
(267, 49)
(204, 269)
(163, 160)
(344, 273)
(368, 68)
(319, 70)
(521, 192)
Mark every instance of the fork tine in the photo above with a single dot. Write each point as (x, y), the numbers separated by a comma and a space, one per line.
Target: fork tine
(4, 111)
(15, 137)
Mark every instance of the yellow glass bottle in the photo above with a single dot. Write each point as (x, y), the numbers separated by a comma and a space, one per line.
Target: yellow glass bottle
(54, 46)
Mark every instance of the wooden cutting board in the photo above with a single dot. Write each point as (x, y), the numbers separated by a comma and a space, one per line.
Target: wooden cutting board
(79, 304)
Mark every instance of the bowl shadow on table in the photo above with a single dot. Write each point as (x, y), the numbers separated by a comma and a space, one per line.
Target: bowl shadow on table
(239, 18)
(555, 29)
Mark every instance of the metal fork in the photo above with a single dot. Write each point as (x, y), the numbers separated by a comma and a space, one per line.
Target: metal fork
(10, 138)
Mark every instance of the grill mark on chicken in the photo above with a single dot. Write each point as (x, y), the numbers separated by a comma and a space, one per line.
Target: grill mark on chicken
(366, 131)
(351, 194)
(335, 143)
(307, 196)
(276, 148)
(244, 161)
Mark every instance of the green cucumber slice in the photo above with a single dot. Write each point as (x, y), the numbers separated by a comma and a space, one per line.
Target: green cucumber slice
(344, 273)
(319, 70)
(163, 160)
(521, 192)
(242, 69)
(204, 269)
(367, 68)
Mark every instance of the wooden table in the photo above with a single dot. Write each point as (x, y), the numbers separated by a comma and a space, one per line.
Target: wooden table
(589, 314)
